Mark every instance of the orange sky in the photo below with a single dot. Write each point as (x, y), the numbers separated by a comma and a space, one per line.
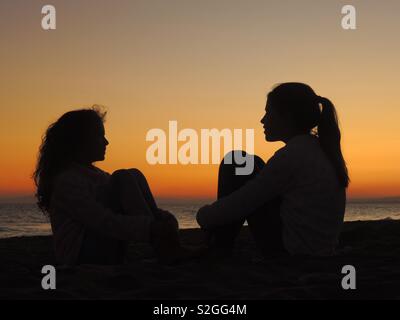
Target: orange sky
(206, 64)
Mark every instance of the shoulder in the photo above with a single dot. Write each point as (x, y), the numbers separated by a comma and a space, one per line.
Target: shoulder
(301, 148)
(302, 142)
(280, 163)
(70, 177)
(80, 174)
(294, 151)
(282, 155)
(100, 172)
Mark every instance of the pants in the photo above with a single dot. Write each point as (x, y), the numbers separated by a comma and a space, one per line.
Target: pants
(265, 223)
(103, 250)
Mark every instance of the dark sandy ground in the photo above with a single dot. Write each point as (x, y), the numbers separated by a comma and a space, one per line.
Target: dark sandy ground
(373, 248)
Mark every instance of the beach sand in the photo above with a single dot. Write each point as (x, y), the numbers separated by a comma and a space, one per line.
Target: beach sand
(372, 247)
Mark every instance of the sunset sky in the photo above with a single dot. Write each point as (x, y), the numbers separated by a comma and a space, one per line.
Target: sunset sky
(205, 64)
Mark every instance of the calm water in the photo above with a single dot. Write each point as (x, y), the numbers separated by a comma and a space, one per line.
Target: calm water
(27, 220)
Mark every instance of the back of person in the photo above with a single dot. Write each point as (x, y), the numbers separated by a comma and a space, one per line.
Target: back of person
(69, 214)
(313, 206)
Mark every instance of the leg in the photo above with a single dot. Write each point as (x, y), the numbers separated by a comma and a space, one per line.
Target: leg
(100, 250)
(126, 193)
(266, 227)
(265, 223)
(129, 193)
(130, 188)
(223, 237)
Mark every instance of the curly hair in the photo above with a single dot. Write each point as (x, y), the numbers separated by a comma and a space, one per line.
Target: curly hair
(60, 144)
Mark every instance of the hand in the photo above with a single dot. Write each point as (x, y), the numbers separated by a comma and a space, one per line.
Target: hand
(167, 217)
(164, 234)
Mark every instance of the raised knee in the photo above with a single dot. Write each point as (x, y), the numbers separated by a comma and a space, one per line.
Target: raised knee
(127, 172)
(135, 172)
(125, 175)
(119, 173)
(232, 157)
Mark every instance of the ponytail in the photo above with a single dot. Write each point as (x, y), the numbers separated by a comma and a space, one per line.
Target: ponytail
(329, 138)
(300, 101)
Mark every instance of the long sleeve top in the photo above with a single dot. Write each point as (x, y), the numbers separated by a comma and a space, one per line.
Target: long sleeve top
(74, 207)
(313, 202)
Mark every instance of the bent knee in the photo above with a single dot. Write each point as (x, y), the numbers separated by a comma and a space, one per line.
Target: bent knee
(135, 172)
(119, 172)
(231, 158)
(238, 158)
(126, 175)
(127, 172)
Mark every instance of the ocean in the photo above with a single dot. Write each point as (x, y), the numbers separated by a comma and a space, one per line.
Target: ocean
(25, 219)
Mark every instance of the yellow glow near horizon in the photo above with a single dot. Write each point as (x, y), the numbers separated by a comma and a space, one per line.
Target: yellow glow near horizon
(206, 64)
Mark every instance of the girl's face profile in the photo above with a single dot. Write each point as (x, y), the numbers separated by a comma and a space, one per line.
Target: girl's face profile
(273, 124)
(278, 125)
(95, 144)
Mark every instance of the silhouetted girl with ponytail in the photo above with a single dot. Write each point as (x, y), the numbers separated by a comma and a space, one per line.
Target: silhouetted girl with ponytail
(295, 203)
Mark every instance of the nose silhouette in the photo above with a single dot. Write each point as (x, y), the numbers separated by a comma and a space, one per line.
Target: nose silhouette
(262, 119)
